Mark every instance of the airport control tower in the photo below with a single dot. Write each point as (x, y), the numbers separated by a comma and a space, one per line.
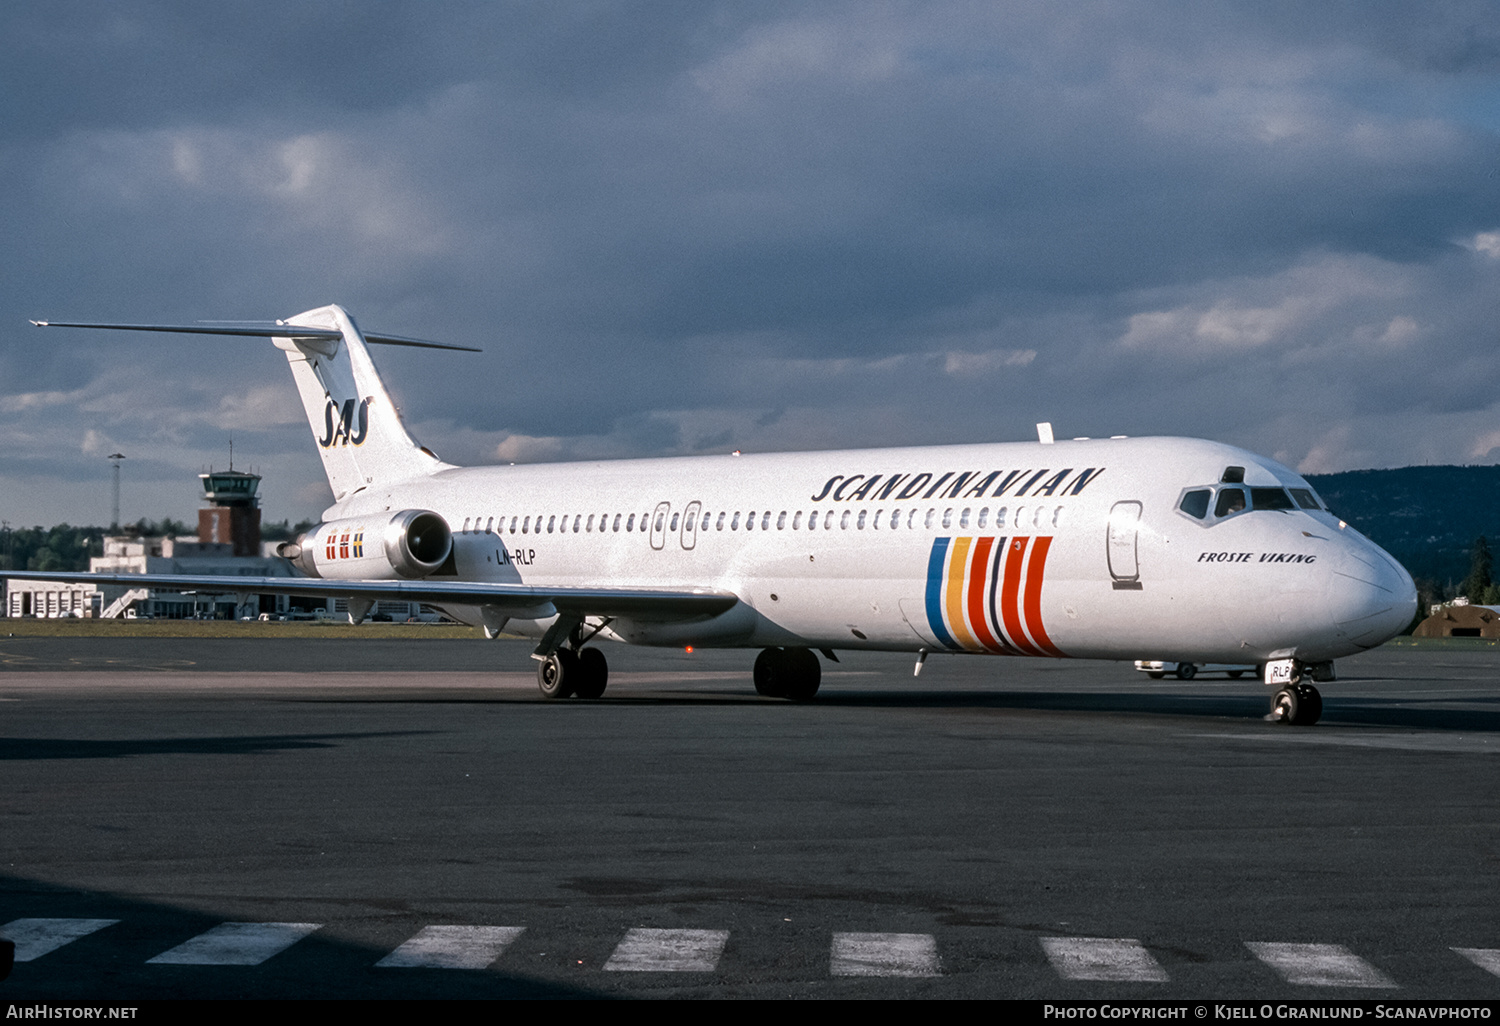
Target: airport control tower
(232, 516)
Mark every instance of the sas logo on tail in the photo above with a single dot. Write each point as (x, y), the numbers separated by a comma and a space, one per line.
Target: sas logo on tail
(347, 425)
(985, 594)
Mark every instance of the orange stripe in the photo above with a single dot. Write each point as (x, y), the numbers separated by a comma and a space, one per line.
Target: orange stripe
(1014, 557)
(958, 562)
(1033, 609)
(978, 582)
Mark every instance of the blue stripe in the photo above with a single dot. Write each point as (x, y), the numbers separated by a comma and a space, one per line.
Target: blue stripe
(935, 581)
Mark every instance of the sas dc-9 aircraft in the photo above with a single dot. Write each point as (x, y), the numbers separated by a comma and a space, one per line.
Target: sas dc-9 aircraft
(1119, 548)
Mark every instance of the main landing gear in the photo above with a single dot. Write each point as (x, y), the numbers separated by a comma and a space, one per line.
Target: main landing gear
(581, 672)
(788, 673)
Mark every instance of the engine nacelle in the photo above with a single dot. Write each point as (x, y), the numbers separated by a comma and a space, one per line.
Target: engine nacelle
(410, 544)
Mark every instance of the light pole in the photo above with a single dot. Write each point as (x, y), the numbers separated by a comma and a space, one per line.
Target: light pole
(114, 510)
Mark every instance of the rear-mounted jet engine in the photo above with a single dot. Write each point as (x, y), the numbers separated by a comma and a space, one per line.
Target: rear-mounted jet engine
(410, 544)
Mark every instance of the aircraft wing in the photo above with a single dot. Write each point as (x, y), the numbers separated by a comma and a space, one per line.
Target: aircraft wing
(521, 600)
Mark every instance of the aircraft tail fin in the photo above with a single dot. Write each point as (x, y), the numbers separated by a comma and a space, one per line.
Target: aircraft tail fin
(356, 425)
(358, 429)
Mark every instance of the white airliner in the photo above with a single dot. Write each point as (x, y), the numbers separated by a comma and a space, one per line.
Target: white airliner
(1120, 548)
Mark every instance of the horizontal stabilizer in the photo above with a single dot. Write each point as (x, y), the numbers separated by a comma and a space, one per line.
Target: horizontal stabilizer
(259, 329)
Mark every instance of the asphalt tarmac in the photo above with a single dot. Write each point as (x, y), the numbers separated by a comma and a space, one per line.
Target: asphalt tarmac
(994, 828)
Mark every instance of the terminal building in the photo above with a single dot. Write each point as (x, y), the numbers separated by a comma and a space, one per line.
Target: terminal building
(228, 544)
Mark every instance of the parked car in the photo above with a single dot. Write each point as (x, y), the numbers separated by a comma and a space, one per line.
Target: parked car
(1156, 669)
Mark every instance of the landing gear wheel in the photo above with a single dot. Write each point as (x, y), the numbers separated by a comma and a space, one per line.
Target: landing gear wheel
(793, 673)
(1186, 671)
(1312, 704)
(1297, 705)
(770, 673)
(558, 675)
(1286, 706)
(806, 674)
(593, 673)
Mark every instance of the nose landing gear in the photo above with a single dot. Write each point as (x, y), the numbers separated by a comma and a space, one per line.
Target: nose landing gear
(1297, 705)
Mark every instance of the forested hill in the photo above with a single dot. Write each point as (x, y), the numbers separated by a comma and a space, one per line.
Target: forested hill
(1427, 517)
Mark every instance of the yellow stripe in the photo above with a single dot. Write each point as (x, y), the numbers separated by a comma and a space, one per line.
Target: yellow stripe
(958, 562)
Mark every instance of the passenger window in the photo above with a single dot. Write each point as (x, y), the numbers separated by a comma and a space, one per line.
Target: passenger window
(1305, 498)
(1195, 503)
(984, 513)
(781, 521)
(1231, 501)
(550, 521)
(489, 528)
(861, 522)
(927, 521)
(844, 520)
(735, 524)
(875, 520)
(578, 522)
(707, 518)
(812, 521)
(630, 524)
(616, 528)
(1270, 498)
(947, 519)
(765, 521)
(750, 521)
(1000, 519)
(963, 518)
(797, 521)
(828, 520)
(526, 526)
(512, 525)
(675, 517)
(895, 519)
(720, 525)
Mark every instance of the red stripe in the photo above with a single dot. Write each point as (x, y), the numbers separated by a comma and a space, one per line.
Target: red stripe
(978, 587)
(1033, 608)
(1009, 593)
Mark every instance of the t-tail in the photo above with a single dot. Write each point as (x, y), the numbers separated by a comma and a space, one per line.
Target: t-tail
(354, 422)
(358, 429)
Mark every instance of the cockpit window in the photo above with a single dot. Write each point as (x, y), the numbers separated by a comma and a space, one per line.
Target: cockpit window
(1231, 500)
(1195, 503)
(1270, 498)
(1305, 498)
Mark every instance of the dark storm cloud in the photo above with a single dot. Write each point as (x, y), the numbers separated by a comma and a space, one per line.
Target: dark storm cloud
(685, 227)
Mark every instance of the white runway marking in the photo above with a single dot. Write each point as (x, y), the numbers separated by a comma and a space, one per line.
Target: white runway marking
(236, 944)
(452, 947)
(1487, 959)
(1099, 958)
(1319, 965)
(885, 954)
(36, 937)
(668, 951)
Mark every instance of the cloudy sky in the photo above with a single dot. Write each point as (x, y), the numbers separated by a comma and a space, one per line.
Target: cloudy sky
(682, 228)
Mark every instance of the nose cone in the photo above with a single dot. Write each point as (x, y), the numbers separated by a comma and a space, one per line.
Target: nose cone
(1371, 596)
